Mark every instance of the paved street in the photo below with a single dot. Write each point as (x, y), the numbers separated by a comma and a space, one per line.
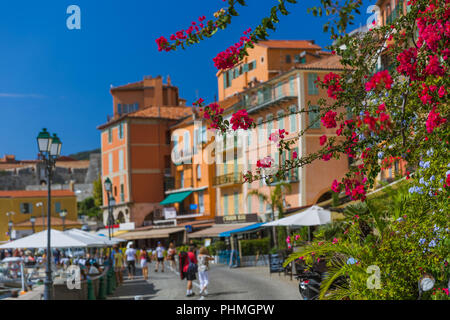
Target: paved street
(250, 283)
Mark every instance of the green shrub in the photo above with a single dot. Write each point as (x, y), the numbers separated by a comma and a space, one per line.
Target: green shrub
(252, 247)
(217, 246)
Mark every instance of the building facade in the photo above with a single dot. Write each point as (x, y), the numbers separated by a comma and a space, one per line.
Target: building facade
(135, 144)
(26, 204)
(275, 104)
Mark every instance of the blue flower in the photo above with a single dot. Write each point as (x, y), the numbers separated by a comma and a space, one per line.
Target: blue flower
(351, 260)
(432, 243)
(436, 228)
(424, 165)
(380, 155)
(432, 178)
(422, 241)
(430, 152)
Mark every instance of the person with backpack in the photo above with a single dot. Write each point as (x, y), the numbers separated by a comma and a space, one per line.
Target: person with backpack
(203, 267)
(143, 257)
(189, 270)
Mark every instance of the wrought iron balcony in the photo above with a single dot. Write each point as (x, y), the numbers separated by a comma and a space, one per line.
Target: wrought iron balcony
(230, 178)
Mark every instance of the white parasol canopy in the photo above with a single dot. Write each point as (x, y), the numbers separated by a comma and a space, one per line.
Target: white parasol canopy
(58, 239)
(91, 241)
(99, 240)
(312, 216)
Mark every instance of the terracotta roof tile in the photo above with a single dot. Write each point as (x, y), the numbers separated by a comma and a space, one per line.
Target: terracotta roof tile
(174, 113)
(329, 63)
(35, 193)
(55, 221)
(294, 44)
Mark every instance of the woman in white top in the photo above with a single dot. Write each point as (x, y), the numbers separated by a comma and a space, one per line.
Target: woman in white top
(203, 266)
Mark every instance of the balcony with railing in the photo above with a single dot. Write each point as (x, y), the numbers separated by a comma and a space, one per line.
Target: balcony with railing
(182, 156)
(268, 96)
(227, 179)
(395, 13)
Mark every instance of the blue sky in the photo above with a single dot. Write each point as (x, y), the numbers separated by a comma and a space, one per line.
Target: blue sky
(59, 79)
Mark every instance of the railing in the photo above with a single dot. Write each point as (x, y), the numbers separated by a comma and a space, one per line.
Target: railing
(229, 178)
(396, 12)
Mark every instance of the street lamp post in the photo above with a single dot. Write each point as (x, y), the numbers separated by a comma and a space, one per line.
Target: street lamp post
(63, 215)
(111, 202)
(49, 150)
(10, 224)
(32, 220)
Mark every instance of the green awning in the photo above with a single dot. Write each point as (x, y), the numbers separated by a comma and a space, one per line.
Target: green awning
(175, 197)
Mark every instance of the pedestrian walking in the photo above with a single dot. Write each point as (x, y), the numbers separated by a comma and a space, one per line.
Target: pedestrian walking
(160, 257)
(189, 270)
(171, 252)
(143, 257)
(119, 262)
(131, 261)
(203, 267)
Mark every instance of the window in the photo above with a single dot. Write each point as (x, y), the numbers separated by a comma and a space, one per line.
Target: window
(260, 96)
(279, 90)
(115, 191)
(199, 172)
(186, 142)
(260, 131)
(293, 119)
(181, 179)
(280, 116)
(312, 89)
(201, 202)
(236, 203)
(225, 205)
(121, 131)
(110, 163)
(204, 134)
(109, 135)
(299, 59)
(245, 68)
(120, 159)
(288, 58)
(57, 207)
(269, 125)
(26, 208)
(314, 117)
(196, 140)
(291, 86)
(119, 109)
(122, 194)
(249, 204)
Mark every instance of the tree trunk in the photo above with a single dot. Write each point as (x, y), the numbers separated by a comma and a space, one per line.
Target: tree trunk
(274, 230)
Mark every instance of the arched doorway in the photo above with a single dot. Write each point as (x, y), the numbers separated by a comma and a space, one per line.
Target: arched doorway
(324, 197)
(121, 217)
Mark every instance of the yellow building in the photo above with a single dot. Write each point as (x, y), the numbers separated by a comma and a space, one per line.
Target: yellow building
(26, 204)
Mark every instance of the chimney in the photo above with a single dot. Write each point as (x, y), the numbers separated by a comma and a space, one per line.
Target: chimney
(72, 185)
(169, 82)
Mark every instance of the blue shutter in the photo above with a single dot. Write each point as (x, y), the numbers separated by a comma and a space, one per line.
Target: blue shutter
(119, 109)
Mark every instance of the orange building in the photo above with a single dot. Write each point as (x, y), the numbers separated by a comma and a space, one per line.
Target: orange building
(274, 104)
(192, 200)
(136, 149)
(265, 61)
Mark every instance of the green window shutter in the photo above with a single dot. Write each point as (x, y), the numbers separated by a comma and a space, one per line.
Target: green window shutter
(260, 96)
(291, 86)
(293, 119)
(314, 117)
(279, 90)
(236, 203)
(280, 116)
(249, 204)
(269, 125)
(225, 205)
(245, 67)
(57, 207)
(225, 84)
(261, 205)
(312, 89)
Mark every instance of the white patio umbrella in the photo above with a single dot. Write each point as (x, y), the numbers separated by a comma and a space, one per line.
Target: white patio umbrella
(58, 239)
(90, 240)
(95, 237)
(104, 237)
(312, 216)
